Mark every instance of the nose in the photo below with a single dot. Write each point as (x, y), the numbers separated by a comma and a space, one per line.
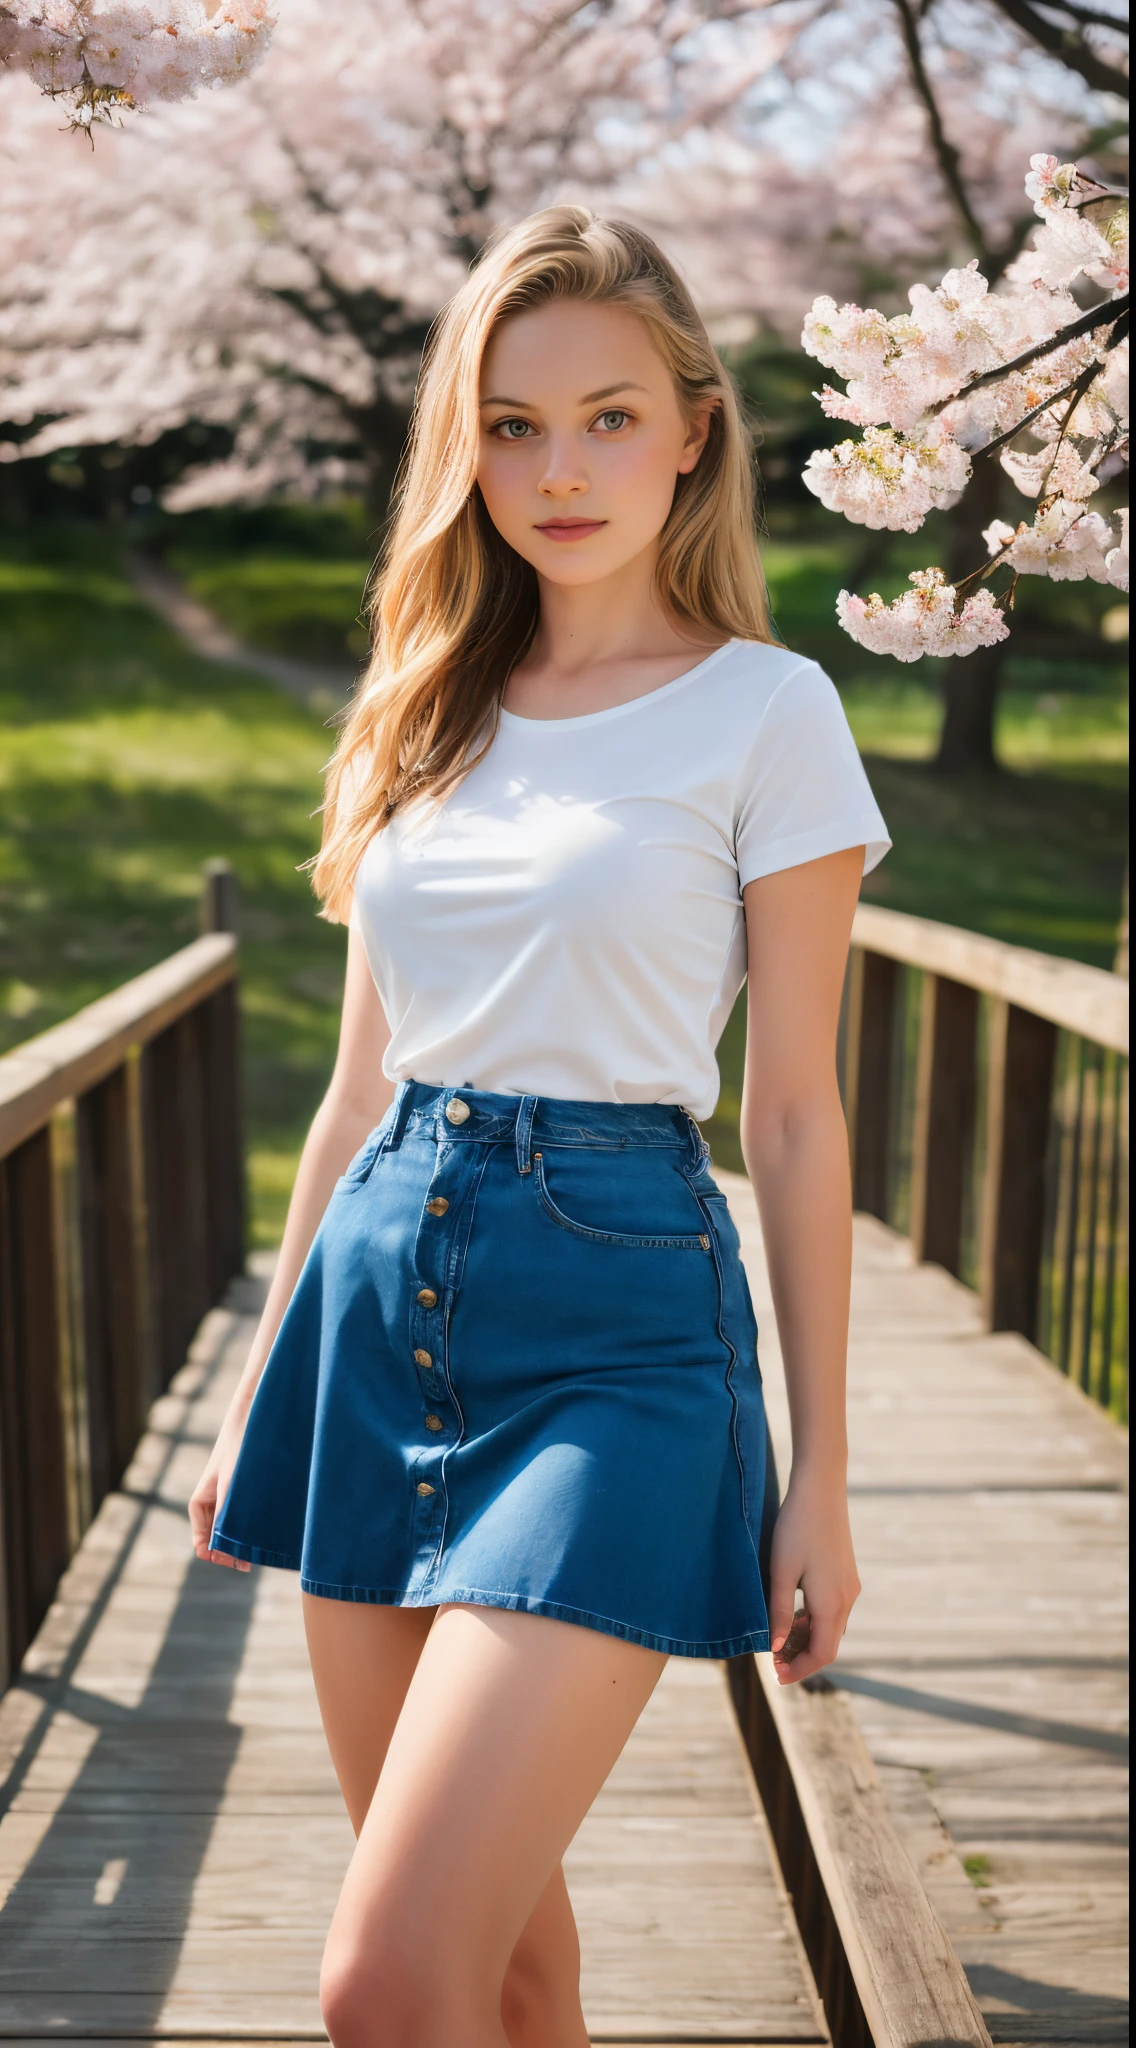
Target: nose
(564, 474)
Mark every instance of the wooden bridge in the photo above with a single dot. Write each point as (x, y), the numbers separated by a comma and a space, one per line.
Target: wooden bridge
(926, 1850)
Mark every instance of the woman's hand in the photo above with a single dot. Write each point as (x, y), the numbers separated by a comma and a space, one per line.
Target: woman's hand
(209, 1494)
(812, 1549)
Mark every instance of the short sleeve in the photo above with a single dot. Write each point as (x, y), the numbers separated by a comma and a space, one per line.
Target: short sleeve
(803, 791)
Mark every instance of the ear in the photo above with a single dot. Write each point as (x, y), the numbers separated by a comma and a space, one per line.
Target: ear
(696, 438)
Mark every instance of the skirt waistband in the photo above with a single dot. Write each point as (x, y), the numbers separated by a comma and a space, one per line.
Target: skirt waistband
(476, 1116)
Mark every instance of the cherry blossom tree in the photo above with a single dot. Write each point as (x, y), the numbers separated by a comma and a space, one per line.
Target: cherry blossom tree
(268, 262)
(104, 60)
(1089, 44)
(1024, 373)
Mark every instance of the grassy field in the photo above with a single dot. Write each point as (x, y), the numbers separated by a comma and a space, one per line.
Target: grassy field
(125, 762)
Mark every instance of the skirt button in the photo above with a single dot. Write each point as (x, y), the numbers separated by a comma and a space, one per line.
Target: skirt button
(434, 1423)
(457, 1111)
(423, 1490)
(423, 1359)
(438, 1206)
(427, 1297)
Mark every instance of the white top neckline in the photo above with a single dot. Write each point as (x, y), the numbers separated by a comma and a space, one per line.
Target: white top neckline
(580, 718)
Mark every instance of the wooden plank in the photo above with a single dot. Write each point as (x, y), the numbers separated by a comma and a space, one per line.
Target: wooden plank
(74, 1055)
(907, 1986)
(986, 1660)
(684, 1925)
(175, 1133)
(872, 990)
(1086, 1000)
(109, 1200)
(33, 1447)
(945, 1102)
(219, 1027)
(1019, 1085)
(217, 909)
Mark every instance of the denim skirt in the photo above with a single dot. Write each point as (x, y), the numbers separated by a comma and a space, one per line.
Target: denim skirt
(519, 1369)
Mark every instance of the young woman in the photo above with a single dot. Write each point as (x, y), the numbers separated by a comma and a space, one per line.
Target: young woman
(508, 1421)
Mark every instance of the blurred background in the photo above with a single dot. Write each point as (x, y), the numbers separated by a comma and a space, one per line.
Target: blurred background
(210, 323)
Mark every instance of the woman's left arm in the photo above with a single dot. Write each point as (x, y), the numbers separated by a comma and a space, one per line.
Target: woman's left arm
(796, 1149)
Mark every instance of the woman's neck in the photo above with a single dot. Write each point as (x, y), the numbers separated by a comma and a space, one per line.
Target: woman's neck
(601, 644)
(596, 626)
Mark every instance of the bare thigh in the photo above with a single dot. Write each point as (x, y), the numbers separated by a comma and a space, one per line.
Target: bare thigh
(509, 1726)
(363, 1658)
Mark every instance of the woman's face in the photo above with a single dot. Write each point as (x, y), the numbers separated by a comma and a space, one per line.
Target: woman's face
(582, 439)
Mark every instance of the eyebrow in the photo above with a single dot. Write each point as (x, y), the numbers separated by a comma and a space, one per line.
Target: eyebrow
(589, 398)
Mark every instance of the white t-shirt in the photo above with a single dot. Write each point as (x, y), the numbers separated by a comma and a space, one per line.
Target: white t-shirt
(569, 921)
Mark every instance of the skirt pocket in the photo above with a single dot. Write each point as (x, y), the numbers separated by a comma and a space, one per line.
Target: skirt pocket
(359, 1170)
(598, 1187)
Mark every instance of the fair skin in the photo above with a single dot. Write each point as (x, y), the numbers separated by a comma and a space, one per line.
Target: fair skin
(470, 1742)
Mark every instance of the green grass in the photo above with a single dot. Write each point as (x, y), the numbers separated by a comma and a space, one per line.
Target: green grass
(125, 762)
(286, 604)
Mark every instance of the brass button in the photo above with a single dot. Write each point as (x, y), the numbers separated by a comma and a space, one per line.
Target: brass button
(423, 1359)
(457, 1111)
(423, 1490)
(434, 1423)
(438, 1206)
(427, 1297)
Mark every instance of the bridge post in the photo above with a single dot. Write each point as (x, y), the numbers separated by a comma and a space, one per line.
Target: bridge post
(946, 1087)
(873, 983)
(36, 1534)
(1019, 1084)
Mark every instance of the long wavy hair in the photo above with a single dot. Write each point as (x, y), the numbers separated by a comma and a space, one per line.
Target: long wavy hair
(453, 607)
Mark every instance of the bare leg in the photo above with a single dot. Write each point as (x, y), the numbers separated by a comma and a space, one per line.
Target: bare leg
(363, 1659)
(510, 1724)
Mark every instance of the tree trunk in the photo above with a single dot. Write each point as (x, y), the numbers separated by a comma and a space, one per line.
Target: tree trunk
(970, 684)
(970, 690)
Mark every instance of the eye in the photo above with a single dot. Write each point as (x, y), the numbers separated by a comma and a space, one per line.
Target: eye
(512, 430)
(611, 422)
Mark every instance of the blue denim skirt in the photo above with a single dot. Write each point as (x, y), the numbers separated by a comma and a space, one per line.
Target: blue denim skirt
(519, 1370)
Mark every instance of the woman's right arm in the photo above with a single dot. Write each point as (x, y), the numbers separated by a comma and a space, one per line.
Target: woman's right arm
(358, 1096)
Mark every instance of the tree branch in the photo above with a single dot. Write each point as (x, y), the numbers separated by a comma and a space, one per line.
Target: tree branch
(1089, 17)
(1079, 384)
(1068, 45)
(947, 156)
(1109, 315)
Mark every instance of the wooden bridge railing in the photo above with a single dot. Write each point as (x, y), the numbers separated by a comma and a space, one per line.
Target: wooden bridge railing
(986, 1090)
(121, 1223)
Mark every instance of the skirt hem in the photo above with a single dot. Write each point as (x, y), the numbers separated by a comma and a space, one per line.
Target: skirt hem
(751, 1640)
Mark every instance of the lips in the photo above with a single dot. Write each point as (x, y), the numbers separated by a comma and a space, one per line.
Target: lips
(570, 529)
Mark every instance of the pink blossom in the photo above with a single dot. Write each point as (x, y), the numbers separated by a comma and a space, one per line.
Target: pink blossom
(1049, 184)
(897, 369)
(923, 621)
(926, 388)
(1116, 561)
(888, 479)
(1064, 542)
(1049, 472)
(100, 58)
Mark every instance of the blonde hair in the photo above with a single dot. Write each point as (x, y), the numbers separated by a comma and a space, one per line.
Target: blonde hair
(454, 607)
